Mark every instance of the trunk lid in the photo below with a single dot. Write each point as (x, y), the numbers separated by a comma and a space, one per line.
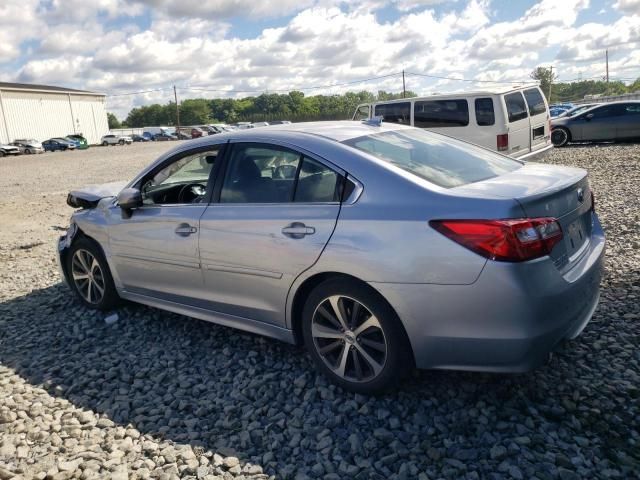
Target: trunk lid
(547, 191)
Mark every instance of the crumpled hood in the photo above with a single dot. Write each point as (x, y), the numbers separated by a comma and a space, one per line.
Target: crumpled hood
(89, 196)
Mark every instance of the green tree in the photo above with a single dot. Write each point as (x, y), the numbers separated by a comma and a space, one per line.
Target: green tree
(545, 77)
(113, 121)
(196, 111)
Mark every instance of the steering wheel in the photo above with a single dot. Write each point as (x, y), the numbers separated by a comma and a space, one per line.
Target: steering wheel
(192, 193)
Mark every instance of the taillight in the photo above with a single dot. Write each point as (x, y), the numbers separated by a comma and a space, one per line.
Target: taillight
(503, 142)
(514, 240)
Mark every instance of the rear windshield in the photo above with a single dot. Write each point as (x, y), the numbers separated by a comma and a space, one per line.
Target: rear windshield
(535, 101)
(441, 113)
(440, 160)
(395, 112)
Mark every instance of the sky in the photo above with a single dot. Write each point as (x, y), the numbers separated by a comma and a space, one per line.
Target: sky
(236, 48)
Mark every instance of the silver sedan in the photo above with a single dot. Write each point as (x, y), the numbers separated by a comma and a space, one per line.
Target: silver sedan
(379, 247)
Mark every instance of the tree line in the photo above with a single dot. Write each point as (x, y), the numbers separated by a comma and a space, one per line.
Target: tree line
(295, 106)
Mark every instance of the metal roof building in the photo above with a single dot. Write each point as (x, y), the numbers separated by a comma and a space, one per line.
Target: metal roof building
(43, 111)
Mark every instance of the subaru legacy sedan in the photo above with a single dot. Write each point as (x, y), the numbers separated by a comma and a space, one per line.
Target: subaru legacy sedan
(379, 247)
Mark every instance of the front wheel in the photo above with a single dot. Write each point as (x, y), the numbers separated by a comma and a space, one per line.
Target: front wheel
(354, 337)
(105, 143)
(27, 151)
(121, 142)
(560, 137)
(89, 275)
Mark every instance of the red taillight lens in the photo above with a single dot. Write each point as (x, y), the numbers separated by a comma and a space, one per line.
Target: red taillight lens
(503, 142)
(514, 240)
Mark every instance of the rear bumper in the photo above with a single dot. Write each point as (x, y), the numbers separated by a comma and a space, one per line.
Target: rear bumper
(536, 154)
(509, 320)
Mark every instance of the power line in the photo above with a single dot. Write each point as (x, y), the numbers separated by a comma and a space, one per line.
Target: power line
(138, 93)
(468, 79)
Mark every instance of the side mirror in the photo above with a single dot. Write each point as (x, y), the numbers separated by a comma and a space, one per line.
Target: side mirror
(128, 199)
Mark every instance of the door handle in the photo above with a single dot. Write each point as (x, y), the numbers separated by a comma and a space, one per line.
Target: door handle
(297, 230)
(184, 230)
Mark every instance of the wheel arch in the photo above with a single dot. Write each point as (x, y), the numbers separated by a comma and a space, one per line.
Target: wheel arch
(306, 287)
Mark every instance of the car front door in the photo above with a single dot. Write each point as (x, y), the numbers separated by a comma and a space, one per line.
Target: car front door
(155, 251)
(601, 123)
(276, 209)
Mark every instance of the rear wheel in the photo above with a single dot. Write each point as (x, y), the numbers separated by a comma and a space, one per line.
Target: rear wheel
(105, 143)
(121, 142)
(560, 137)
(27, 151)
(89, 275)
(354, 337)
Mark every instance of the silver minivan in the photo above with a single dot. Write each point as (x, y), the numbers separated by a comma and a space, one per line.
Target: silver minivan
(513, 121)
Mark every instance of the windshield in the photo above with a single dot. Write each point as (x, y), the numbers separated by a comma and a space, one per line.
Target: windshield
(441, 160)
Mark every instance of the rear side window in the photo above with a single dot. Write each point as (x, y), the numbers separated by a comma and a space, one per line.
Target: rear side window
(633, 109)
(485, 114)
(441, 113)
(516, 108)
(395, 112)
(535, 101)
(448, 164)
(316, 183)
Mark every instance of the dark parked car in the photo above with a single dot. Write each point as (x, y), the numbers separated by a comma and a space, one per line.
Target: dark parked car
(140, 138)
(149, 136)
(607, 122)
(54, 144)
(79, 140)
(160, 137)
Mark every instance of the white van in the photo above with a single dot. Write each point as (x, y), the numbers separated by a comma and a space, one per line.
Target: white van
(513, 121)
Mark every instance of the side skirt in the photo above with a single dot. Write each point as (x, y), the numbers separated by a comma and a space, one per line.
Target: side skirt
(224, 319)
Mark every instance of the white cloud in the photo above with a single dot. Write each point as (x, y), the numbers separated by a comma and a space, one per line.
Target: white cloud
(628, 6)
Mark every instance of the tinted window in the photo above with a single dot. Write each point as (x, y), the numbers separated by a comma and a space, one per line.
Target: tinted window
(316, 183)
(394, 112)
(443, 162)
(441, 113)
(633, 109)
(485, 115)
(535, 101)
(607, 111)
(260, 174)
(516, 108)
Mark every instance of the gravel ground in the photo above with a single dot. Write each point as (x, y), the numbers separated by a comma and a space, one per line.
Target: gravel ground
(158, 395)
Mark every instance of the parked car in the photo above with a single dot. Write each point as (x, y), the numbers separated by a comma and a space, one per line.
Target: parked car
(28, 145)
(139, 138)
(279, 122)
(116, 140)
(57, 143)
(182, 135)
(6, 150)
(243, 125)
(161, 137)
(606, 122)
(390, 247)
(513, 121)
(575, 110)
(79, 140)
(149, 136)
(260, 124)
(198, 132)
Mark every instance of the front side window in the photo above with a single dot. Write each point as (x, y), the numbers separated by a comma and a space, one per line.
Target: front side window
(185, 180)
(395, 112)
(362, 113)
(441, 113)
(442, 161)
(485, 115)
(516, 108)
(535, 101)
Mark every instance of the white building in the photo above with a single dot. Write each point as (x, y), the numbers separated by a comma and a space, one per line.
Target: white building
(42, 112)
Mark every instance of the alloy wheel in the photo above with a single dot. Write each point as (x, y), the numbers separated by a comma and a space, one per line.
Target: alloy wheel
(349, 339)
(87, 276)
(559, 137)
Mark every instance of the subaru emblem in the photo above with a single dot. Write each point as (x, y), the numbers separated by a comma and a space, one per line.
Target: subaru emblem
(580, 193)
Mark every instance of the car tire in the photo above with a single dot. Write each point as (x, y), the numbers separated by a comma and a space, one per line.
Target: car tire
(560, 137)
(354, 337)
(27, 151)
(1, 153)
(105, 143)
(89, 275)
(121, 142)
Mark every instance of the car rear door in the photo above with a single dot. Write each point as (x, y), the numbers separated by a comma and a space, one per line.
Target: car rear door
(518, 124)
(274, 211)
(629, 123)
(538, 118)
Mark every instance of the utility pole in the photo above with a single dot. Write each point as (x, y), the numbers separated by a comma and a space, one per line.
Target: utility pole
(404, 90)
(175, 95)
(606, 59)
(550, 81)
